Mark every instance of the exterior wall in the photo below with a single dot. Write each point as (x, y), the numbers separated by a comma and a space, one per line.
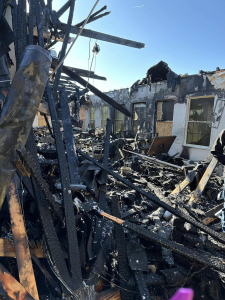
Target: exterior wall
(200, 85)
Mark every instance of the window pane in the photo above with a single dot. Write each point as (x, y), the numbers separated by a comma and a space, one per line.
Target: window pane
(119, 121)
(104, 115)
(165, 110)
(198, 133)
(139, 113)
(92, 117)
(201, 109)
(82, 117)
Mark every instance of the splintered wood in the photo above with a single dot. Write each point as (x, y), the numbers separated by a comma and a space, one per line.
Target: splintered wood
(24, 263)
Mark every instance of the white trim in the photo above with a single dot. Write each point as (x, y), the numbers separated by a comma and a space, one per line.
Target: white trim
(186, 125)
(196, 146)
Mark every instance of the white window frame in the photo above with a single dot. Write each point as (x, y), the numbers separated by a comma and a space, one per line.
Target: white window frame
(186, 125)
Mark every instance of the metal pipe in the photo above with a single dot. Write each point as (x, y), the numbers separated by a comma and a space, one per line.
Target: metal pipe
(21, 107)
(155, 160)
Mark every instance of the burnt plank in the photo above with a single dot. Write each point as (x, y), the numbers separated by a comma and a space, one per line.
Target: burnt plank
(23, 257)
(13, 289)
(93, 89)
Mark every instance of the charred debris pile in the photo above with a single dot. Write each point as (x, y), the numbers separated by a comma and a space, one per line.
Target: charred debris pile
(87, 215)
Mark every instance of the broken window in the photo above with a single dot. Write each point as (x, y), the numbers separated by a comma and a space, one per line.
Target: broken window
(139, 113)
(82, 117)
(199, 121)
(104, 114)
(119, 121)
(92, 117)
(165, 110)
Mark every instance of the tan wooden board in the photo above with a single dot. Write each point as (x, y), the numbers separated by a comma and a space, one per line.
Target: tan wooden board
(164, 128)
(111, 294)
(167, 141)
(7, 250)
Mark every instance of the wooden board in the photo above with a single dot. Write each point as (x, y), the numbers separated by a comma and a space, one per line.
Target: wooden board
(7, 250)
(181, 186)
(164, 128)
(111, 294)
(13, 289)
(41, 120)
(167, 142)
(23, 257)
(195, 197)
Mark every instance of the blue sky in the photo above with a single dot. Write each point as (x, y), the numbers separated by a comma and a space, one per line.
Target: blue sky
(187, 34)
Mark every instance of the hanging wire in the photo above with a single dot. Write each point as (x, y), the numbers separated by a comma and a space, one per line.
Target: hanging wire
(94, 69)
(54, 71)
(89, 53)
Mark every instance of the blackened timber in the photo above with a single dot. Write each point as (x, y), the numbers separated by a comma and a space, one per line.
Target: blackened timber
(92, 16)
(93, 89)
(48, 125)
(193, 254)
(103, 37)
(99, 225)
(31, 165)
(31, 22)
(83, 73)
(100, 261)
(63, 9)
(163, 202)
(69, 139)
(13, 289)
(58, 262)
(63, 50)
(48, 277)
(98, 17)
(74, 256)
(142, 285)
(123, 265)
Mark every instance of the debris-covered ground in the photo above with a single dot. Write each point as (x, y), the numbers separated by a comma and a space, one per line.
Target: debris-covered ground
(152, 253)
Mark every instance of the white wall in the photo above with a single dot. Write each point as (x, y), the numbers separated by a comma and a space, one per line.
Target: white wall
(179, 123)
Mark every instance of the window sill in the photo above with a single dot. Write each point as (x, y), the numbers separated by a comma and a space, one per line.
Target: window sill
(197, 146)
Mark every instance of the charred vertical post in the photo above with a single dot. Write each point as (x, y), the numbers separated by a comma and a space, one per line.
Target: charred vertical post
(68, 135)
(101, 199)
(63, 50)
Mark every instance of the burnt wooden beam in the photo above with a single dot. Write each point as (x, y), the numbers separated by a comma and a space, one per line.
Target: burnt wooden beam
(7, 250)
(96, 18)
(23, 257)
(63, 9)
(63, 49)
(111, 294)
(13, 289)
(48, 277)
(195, 197)
(93, 89)
(103, 37)
(92, 16)
(69, 138)
(159, 200)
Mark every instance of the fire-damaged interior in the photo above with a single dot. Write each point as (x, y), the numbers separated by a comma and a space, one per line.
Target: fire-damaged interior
(103, 212)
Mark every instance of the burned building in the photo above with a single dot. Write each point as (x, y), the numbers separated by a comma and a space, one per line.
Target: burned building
(189, 107)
